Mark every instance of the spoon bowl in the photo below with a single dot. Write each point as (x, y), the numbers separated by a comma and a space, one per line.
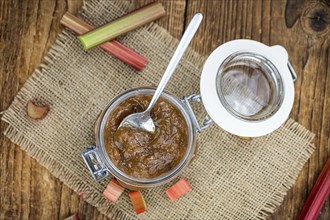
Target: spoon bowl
(141, 120)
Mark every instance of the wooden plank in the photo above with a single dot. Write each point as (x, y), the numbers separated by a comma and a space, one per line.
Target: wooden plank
(173, 20)
(28, 28)
(309, 54)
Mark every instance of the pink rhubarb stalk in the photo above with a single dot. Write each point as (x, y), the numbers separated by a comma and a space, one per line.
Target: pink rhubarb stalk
(114, 47)
(317, 196)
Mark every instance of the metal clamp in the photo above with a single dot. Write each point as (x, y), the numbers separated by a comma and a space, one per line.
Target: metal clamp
(94, 164)
(293, 73)
(207, 121)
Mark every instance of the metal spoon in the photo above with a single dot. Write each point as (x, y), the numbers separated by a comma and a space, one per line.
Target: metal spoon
(142, 120)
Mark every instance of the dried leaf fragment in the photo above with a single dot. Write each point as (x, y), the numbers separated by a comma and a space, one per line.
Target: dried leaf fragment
(36, 110)
(138, 201)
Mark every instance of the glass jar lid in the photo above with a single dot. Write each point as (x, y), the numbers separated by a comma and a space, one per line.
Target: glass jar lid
(249, 86)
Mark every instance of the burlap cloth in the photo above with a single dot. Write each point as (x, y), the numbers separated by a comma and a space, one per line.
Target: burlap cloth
(231, 178)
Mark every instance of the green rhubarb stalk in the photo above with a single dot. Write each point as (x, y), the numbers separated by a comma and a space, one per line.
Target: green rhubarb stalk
(114, 47)
(122, 25)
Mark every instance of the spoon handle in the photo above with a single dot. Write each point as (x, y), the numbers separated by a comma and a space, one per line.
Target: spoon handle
(183, 44)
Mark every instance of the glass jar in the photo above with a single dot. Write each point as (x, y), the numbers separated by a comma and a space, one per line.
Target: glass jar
(99, 163)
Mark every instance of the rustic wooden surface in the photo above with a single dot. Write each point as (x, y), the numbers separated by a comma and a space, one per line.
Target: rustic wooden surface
(29, 27)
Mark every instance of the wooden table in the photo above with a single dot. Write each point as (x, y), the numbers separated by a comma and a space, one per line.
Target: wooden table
(29, 27)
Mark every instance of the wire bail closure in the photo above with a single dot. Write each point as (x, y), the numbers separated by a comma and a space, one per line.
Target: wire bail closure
(207, 121)
(94, 163)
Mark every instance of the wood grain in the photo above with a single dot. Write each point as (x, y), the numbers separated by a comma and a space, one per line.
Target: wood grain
(28, 28)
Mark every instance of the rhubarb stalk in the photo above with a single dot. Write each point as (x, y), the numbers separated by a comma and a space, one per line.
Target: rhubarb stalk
(125, 54)
(317, 196)
(122, 25)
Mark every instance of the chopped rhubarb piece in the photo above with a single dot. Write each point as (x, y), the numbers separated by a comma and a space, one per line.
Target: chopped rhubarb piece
(113, 190)
(178, 189)
(73, 217)
(138, 202)
(81, 194)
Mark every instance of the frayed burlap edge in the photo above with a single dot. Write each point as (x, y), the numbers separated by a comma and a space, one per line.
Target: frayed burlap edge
(78, 184)
(68, 178)
(290, 180)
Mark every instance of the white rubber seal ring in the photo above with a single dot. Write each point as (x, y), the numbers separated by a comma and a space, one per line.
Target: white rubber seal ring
(275, 54)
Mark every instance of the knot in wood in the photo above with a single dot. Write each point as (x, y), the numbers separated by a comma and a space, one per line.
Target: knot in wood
(315, 18)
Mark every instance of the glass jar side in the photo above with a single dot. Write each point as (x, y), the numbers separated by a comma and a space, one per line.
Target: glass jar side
(136, 183)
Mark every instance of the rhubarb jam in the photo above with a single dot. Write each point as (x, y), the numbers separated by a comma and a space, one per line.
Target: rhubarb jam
(142, 154)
